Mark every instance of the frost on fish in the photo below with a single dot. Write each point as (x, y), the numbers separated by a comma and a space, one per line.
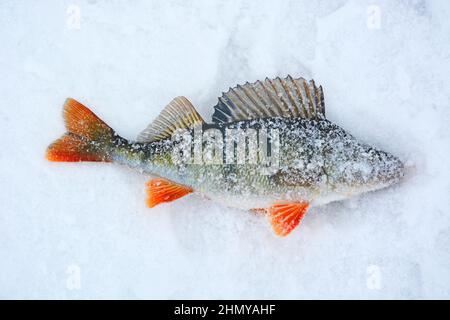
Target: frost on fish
(316, 160)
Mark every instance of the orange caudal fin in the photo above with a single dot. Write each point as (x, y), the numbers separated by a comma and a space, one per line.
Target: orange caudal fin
(72, 148)
(161, 190)
(284, 217)
(88, 137)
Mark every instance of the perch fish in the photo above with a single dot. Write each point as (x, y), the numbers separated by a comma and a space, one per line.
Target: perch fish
(269, 148)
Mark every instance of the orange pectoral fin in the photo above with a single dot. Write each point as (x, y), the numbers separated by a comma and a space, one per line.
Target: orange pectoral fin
(161, 190)
(284, 217)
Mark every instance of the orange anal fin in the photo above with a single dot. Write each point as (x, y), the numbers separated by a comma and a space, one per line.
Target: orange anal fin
(284, 217)
(161, 190)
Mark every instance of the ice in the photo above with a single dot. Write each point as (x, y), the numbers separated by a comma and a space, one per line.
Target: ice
(82, 230)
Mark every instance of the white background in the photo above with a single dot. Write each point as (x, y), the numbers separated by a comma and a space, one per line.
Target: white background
(83, 231)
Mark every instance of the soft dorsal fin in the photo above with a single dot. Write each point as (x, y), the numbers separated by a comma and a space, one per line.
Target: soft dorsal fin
(277, 97)
(178, 114)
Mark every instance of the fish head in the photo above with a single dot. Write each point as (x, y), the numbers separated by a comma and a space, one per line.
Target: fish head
(359, 168)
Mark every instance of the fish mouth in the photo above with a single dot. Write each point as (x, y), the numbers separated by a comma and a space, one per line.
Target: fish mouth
(395, 170)
(391, 175)
(376, 174)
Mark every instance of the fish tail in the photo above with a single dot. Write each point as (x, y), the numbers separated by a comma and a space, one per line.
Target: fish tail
(88, 138)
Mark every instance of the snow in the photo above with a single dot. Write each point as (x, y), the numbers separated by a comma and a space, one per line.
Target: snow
(82, 230)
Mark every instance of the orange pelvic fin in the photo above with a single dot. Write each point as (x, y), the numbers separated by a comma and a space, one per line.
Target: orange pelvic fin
(87, 139)
(284, 217)
(161, 190)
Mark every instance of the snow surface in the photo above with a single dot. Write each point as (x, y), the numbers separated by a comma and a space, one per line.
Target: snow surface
(82, 230)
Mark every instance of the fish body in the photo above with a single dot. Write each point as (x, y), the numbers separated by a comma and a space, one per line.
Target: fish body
(267, 149)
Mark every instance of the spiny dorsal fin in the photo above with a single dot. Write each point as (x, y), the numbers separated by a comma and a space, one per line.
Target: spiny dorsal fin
(178, 114)
(277, 97)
